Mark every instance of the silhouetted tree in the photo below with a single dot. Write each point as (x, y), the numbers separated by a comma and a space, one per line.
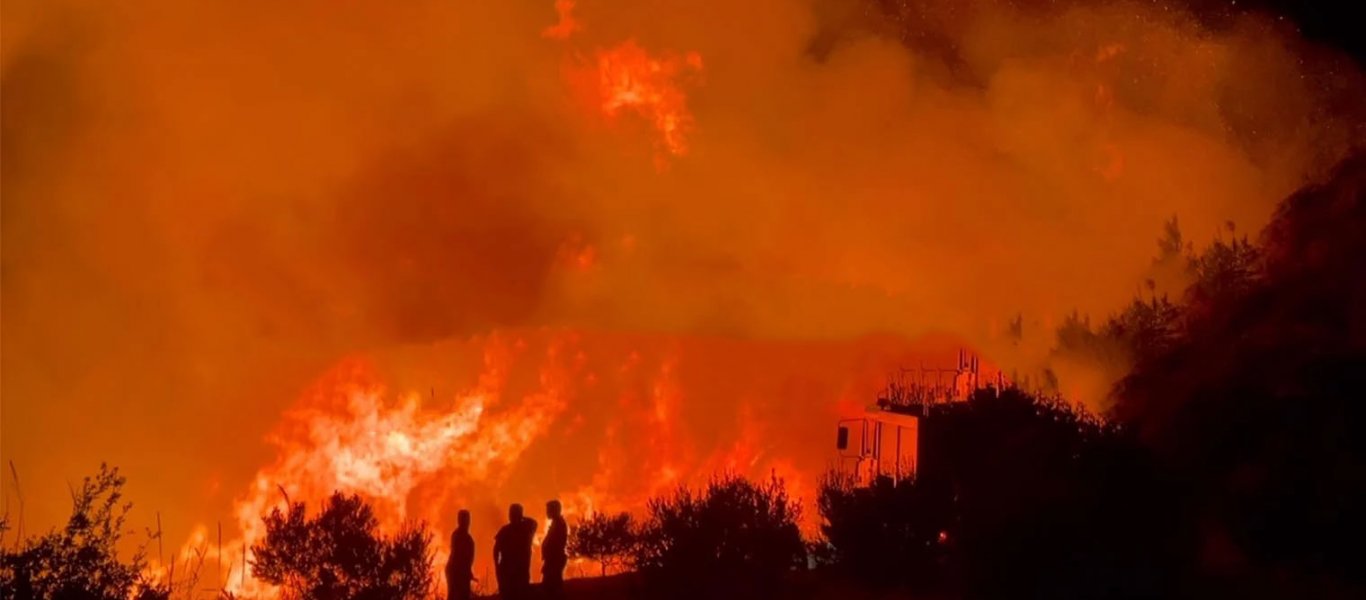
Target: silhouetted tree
(609, 540)
(1152, 323)
(80, 561)
(1257, 410)
(1221, 274)
(1015, 329)
(892, 533)
(339, 554)
(1145, 328)
(1095, 348)
(733, 537)
(1049, 500)
(1231, 466)
(1171, 247)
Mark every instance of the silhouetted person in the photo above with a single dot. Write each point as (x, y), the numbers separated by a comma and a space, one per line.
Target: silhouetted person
(459, 569)
(512, 554)
(553, 555)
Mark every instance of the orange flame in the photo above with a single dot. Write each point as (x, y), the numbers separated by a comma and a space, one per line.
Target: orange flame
(601, 421)
(632, 79)
(567, 25)
(347, 434)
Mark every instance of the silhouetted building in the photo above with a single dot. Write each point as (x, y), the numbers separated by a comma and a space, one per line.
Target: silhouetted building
(885, 440)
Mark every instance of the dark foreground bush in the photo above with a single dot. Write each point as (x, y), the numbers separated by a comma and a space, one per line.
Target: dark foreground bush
(732, 538)
(1016, 496)
(340, 555)
(889, 534)
(80, 561)
(607, 539)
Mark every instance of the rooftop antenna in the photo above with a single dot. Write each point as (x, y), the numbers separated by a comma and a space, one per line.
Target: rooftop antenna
(161, 554)
(18, 491)
(976, 371)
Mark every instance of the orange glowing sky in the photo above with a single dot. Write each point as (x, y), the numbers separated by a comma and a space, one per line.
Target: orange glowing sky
(689, 234)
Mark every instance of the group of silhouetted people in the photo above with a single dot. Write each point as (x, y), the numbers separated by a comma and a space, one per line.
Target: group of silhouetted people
(511, 555)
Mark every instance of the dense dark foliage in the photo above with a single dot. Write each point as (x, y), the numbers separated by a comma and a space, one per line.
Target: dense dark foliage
(1152, 324)
(340, 555)
(1050, 500)
(1016, 495)
(607, 539)
(80, 561)
(892, 533)
(1257, 408)
(732, 538)
(1232, 464)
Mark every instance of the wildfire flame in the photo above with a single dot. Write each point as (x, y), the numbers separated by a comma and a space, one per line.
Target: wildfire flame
(567, 25)
(414, 461)
(348, 434)
(602, 422)
(632, 79)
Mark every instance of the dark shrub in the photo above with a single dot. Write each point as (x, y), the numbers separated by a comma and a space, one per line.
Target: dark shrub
(340, 555)
(1016, 496)
(609, 540)
(81, 560)
(1257, 410)
(734, 537)
(892, 533)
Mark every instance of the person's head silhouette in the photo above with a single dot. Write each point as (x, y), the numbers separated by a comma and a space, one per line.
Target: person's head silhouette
(514, 513)
(462, 519)
(552, 509)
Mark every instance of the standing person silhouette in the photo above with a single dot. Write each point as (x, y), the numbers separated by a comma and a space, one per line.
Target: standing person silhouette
(460, 567)
(553, 555)
(512, 554)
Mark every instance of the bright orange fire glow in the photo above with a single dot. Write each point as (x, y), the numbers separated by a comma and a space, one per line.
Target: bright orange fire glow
(567, 25)
(602, 422)
(632, 79)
